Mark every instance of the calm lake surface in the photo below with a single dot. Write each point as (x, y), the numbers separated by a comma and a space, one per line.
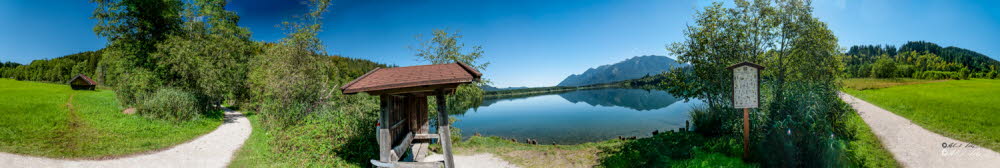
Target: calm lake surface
(578, 116)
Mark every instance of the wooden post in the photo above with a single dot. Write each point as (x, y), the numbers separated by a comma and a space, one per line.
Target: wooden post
(443, 129)
(384, 141)
(746, 133)
(746, 95)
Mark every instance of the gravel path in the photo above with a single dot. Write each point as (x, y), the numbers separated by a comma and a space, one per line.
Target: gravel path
(914, 146)
(214, 149)
(482, 160)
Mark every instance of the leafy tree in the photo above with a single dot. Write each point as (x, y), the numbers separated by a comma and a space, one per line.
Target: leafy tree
(798, 92)
(884, 67)
(209, 56)
(443, 48)
(133, 28)
(289, 80)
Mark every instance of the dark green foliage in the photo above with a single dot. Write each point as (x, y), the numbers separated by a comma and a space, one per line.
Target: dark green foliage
(171, 104)
(710, 123)
(904, 71)
(9, 64)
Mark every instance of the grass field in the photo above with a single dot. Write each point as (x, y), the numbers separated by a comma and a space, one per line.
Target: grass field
(51, 120)
(878, 83)
(967, 110)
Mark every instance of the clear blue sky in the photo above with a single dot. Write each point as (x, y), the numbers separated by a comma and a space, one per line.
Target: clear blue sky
(528, 42)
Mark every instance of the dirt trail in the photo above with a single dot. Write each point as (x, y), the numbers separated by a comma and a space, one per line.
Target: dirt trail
(214, 149)
(914, 146)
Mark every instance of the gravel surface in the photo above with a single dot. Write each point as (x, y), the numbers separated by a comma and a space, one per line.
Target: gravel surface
(482, 160)
(214, 149)
(914, 146)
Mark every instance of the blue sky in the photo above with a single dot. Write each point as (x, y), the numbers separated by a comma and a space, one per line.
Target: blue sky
(528, 42)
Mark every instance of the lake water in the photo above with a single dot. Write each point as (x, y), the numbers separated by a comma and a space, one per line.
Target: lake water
(578, 116)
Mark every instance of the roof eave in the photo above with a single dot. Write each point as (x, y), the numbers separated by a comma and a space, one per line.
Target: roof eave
(731, 67)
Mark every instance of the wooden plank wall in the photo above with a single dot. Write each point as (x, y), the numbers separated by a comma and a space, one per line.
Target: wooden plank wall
(398, 123)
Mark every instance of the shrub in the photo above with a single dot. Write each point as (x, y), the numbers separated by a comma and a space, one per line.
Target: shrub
(964, 73)
(935, 75)
(171, 104)
(656, 151)
(904, 71)
(884, 67)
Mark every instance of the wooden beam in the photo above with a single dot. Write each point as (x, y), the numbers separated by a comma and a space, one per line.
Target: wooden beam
(426, 136)
(443, 129)
(399, 150)
(385, 153)
(418, 90)
(400, 122)
(407, 164)
(384, 139)
(419, 151)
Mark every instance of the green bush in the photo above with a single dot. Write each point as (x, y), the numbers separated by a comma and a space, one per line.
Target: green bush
(171, 104)
(333, 136)
(964, 73)
(674, 149)
(935, 75)
(884, 67)
(904, 71)
(709, 122)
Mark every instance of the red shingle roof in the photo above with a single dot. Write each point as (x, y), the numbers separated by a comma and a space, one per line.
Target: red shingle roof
(412, 76)
(85, 79)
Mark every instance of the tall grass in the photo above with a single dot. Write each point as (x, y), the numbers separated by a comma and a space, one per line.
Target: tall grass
(864, 149)
(878, 83)
(341, 136)
(171, 104)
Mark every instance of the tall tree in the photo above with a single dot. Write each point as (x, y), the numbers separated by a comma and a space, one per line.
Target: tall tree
(209, 56)
(133, 28)
(445, 47)
(798, 88)
(290, 80)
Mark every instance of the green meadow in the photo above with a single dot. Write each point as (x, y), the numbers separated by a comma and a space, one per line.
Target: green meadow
(966, 110)
(51, 120)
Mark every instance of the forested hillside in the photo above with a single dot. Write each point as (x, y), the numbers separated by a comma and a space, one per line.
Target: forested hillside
(58, 69)
(918, 59)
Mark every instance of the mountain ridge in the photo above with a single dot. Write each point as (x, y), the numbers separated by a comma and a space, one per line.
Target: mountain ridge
(632, 68)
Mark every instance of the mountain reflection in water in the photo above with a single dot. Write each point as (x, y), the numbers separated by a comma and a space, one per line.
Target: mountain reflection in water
(577, 116)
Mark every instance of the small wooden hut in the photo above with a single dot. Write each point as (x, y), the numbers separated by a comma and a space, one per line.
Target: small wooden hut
(82, 82)
(403, 121)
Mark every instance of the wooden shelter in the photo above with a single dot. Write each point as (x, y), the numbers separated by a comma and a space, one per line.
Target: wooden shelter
(82, 82)
(403, 121)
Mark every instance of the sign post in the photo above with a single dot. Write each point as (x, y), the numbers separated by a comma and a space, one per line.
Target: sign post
(746, 95)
